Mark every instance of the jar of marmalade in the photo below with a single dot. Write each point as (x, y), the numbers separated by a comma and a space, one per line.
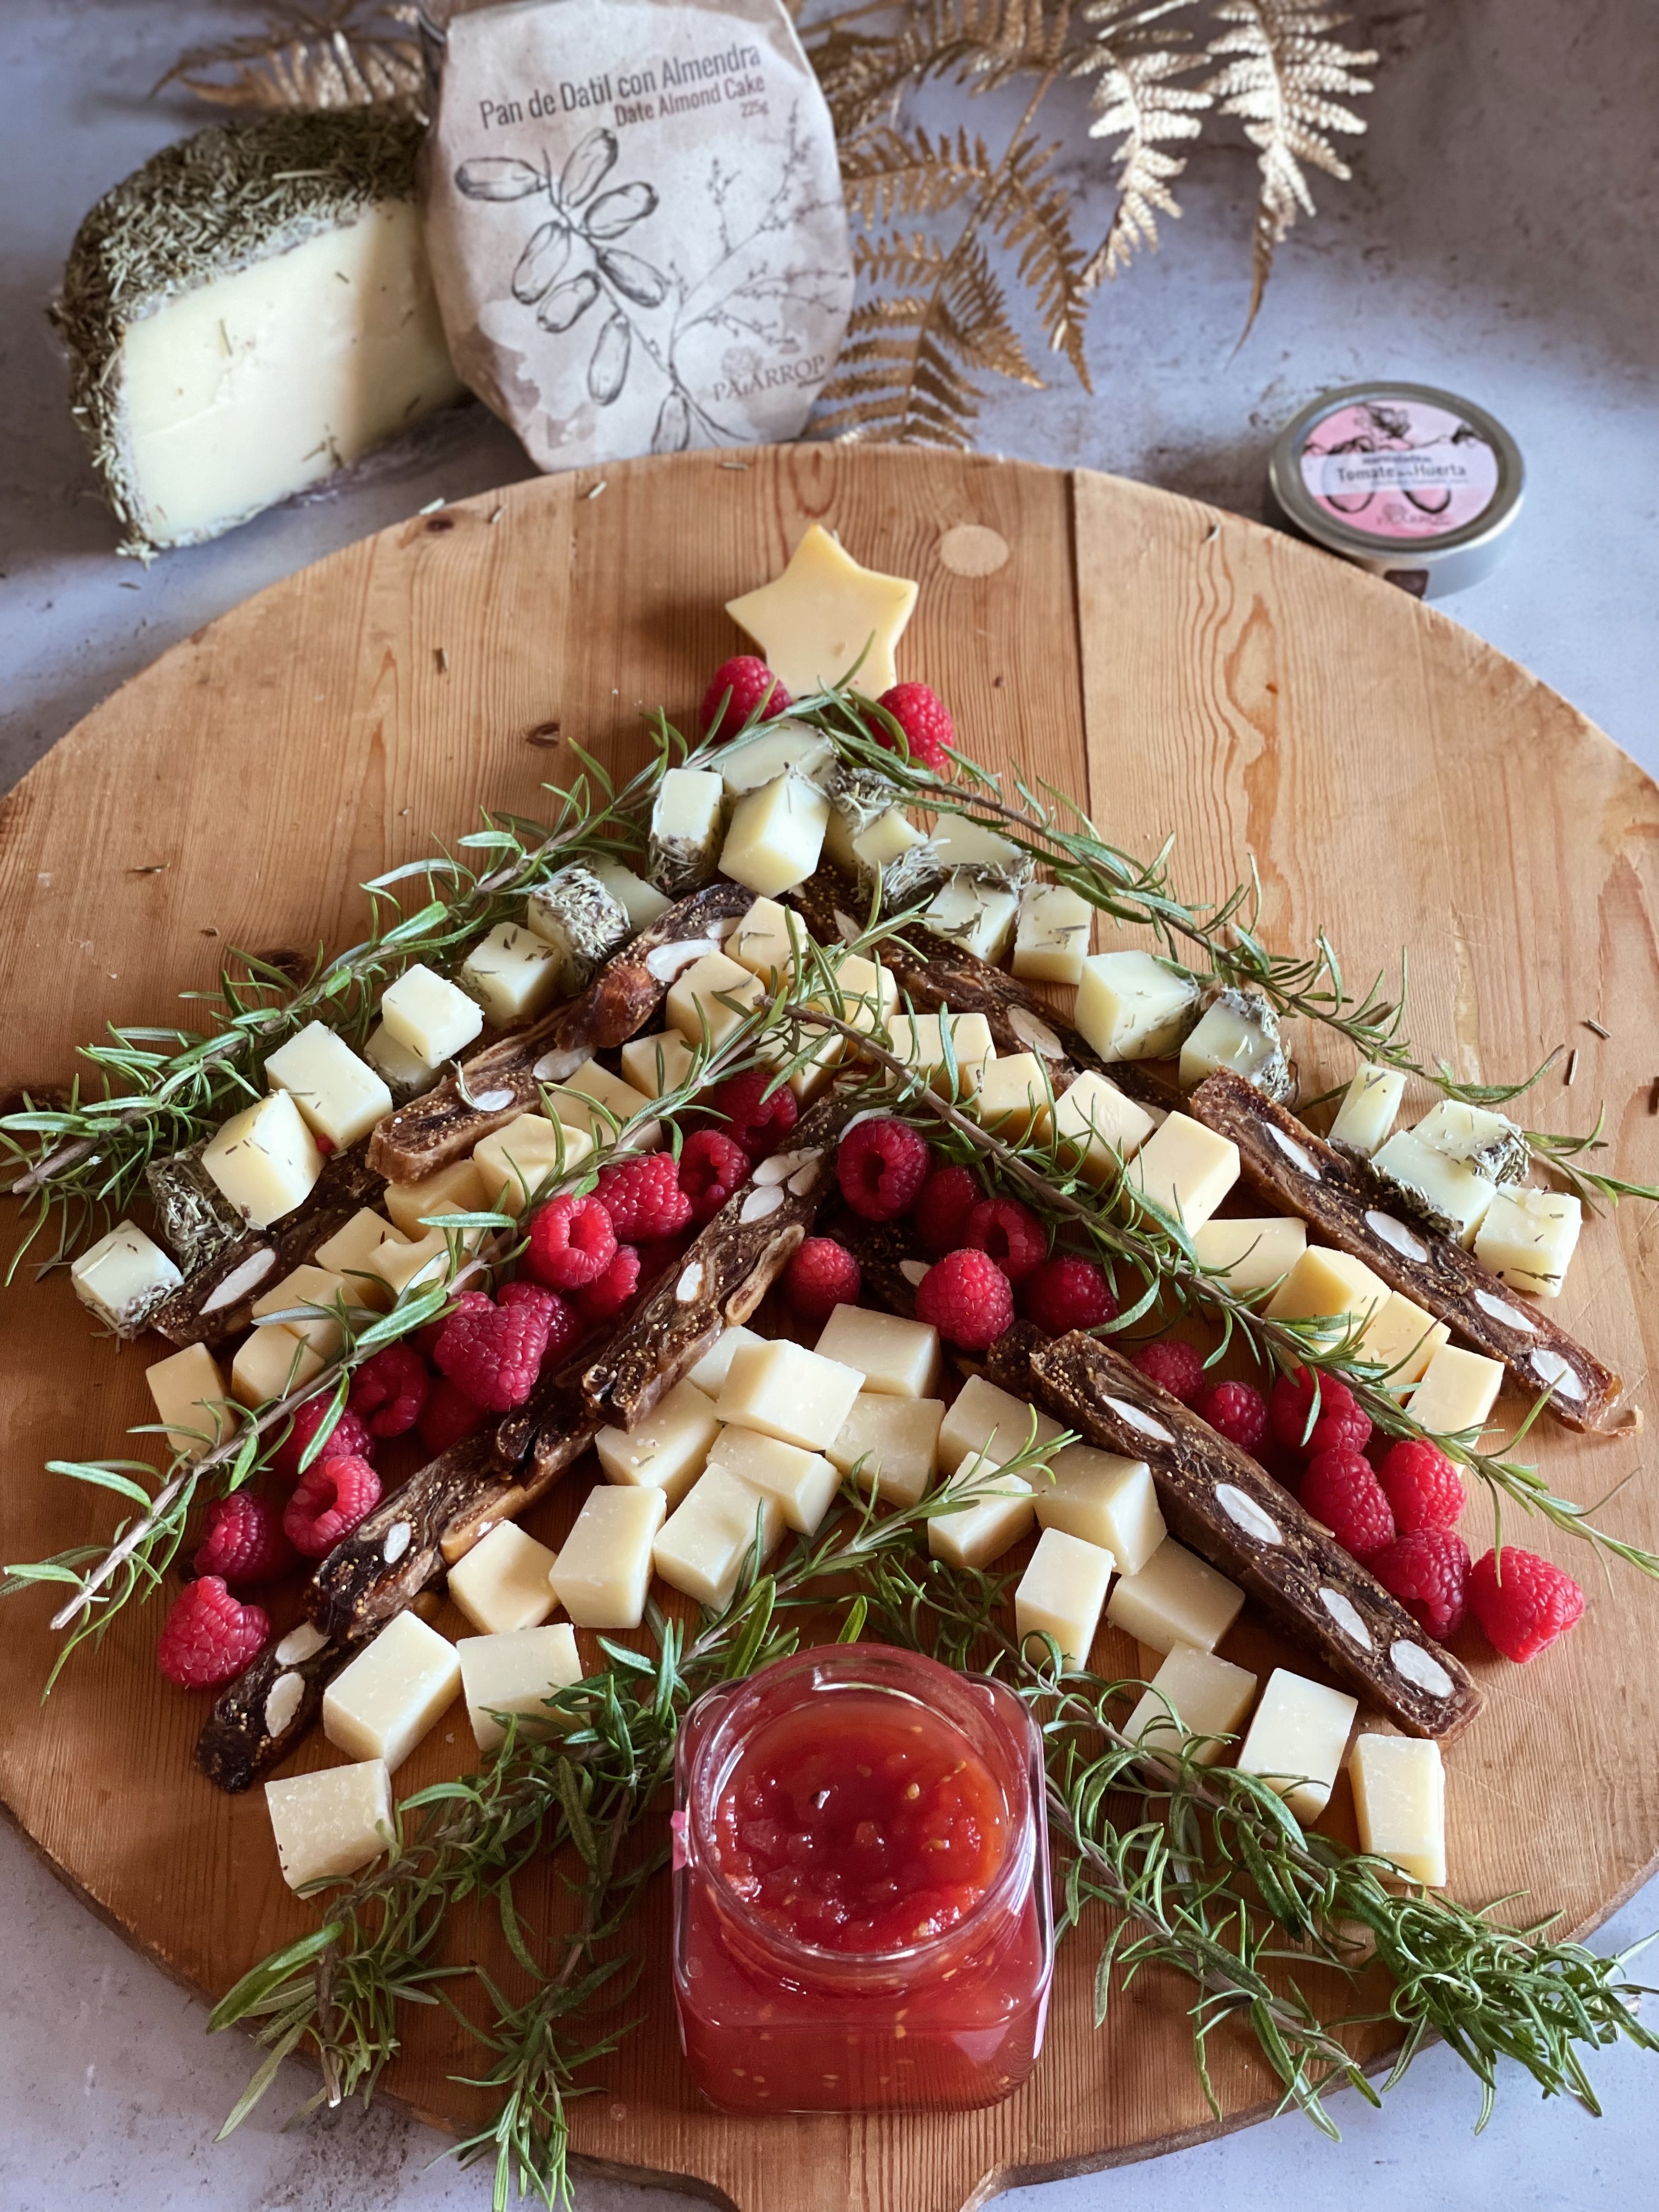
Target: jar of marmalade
(861, 1908)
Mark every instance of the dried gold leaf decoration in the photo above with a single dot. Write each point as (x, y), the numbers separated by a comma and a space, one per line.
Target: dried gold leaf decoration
(1138, 103)
(982, 43)
(1286, 81)
(350, 53)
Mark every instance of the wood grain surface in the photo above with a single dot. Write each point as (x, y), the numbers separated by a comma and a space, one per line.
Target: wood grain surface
(1179, 670)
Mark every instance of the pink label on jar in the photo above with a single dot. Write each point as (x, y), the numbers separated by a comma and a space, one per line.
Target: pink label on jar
(1397, 468)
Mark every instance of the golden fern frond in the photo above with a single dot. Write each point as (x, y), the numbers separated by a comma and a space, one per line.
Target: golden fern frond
(1030, 216)
(347, 54)
(890, 174)
(1286, 81)
(972, 318)
(1138, 102)
(983, 42)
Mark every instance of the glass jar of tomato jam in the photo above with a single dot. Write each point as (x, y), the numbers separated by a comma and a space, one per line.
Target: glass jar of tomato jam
(862, 1907)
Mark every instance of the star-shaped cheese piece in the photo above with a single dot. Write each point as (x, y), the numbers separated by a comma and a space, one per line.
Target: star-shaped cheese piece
(813, 621)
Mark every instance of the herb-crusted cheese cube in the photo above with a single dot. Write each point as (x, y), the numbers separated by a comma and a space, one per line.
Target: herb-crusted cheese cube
(978, 916)
(407, 1075)
(960, 843)
(189, 1391)
(516, 1672)
(502, 1584)
(1130, 1006)
(196, 1220)
(1296, 1741)
(1051, 935)
(667, 1448)
(1097, 1127)
(123, 1278)
(340, 1095)
(1175, 1598)
(265, 1160)
(1324, 1284)
(427, 1013)
(1458, 1391)
(1060, 1594)
(1193, 1693)
(1368, 1109)
(786, 1391)
(1484, 1140)
(777, 835)
(512, 973)
(1239, 1030)
(1185, 1169)
(657, 1064)
(767, 941)
(685, 829)
(331, 1823)
(1401, 1338)
(773, 750)
(521, 1158)
(458, 1187)
(892, 1443)
(711, 1371)
(1104, 1500)
(864, 850)
(1014, 1096)
(991, 1425)
(641, 901)
(804, 1483)
(1448, 1195)
(899, 1357)
(270, 1363)
(996, 1511)
(603, 1105)
(1253, 1255)
(602, 1573)
(1528, 1237)
(713, 998)
(1399, 1803)
(579, 921)
(385, 1700)
(707, 1542)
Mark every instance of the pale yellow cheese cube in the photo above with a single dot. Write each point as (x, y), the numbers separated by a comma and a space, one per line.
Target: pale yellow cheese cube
(658, 1064)
(892, 1444)
(271, 1364)
(899, 1357)
(1452, 1194)
(1529, 1238)
(331, 1823)
(1185, 1169)
(1369, 1106)
(1051, 935)
(1237, 1032)
(341, 1095)
(777, 835)
(804, 1483)
(264, 1159)
(602, 1573)
(1296, 1741)
(978, 916)
(512, 973)
(347, 1251)
(310, 1286)
(516, 1672)
(933, 1044)
(1401, 1337)
(996, 1511)
(384, 1701)
(429, 1015)
(1328, 1285)
(1400, 1802)
(776, 749)
(124, 1277)
(190, 1391)
(1096, 1128)
(517, 1164)
(992, 1425)
(456, 1187)
(685, 827)
(1131, 1006)
(709, 1540)
(502, 1584)
(640, 901)
(1193, 1693)
(1013, 1098)
(713, 998)
(407, 1075)
(1104, 1500)
(786, 1391)
(667, 1448)
(767, 941)
(1060, 1594)
(601, 1105)
(711, 1371)
(1175, 1598)
(412, 1263)
(886, 839)
(1253, 1255)
(1458, 1391)
(962, 842)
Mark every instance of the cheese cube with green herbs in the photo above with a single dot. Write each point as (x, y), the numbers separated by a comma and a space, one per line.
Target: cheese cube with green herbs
(784, 1390)
(1185, 1169)
(265, 1160)
(602, 1576)
(770, 753)
(502, 1583)
(1060, 1594)
(712, 997)
(407, 1075)
(427, 1013)
(340, 1095)
(1097, 1129)
(777, 835)
(975, 914)
(686, 818)
(1051, 935)
(959, 843)
(1175, 1598)
(271, 1364)
(896, 1357)
(804, 1483)
(458, 1186)
(1528, 1237)
(1239, 1032)
(603, 1105)
(521, 1158)
(667, 1448)
(1450, 1195)
(1488, 1142)
(1399, 1803)
(1104, 1500)
(189, 1392)
(710, 1539)
(1193, 1693)
(516, 1671)
(385, 1700)
(1130, 1006)
(1368, 1109)
(579, 921)
(996, 1512)
(658, 1064)
(866, 852)
(512, 973)
(892, 1444)
(1296, 1741)
(123, 1278)
(331, 1823)
(1253, 1255)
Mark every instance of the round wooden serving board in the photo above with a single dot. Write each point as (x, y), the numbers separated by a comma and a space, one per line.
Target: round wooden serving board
(1179, 670)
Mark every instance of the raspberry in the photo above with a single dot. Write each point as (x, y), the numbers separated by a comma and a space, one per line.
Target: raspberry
(1237, 1411)
(1524, 1612)
(389, 1390)
(1064, 1293)
(821, 1276)
(882, 1165)
(605, 1300)
(644, 1199)
(243, 1540)
(1429, 1572)
(209, 1637)
(751, 1115)
(948, 1197)
(347, 1434)
(450, 1416)
(926, 721)
(426, 1338)
(1340, 1489)
(968, 1299)
(332, 1498)
(1011, 1233)
(712, 1165)
(1424, 1487)
(572, 1242)
(1341, 1421)
(495, 1357)
(1345, 1425)
(563, 1324)
(1175, 1367)
(749, 680)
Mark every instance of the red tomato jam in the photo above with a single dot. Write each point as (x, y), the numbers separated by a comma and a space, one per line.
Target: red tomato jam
(861, 1891)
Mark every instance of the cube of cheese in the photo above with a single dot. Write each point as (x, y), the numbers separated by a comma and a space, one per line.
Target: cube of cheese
(1014, 1097)
(602, 1573)
(1193, 1693)
(776, 748)
(1238, 1031)
(1131, 1006)
(804, 1483)
(1175, 1598)
(864, 996)
(331, 1823)
(405, 1263)
(658, 1064)
(786, 1391)
(340, 1095)
(190, 1392)
(978, 916)
(1061, 1592)
(711, 1371)
(310, 1286)
(767, 941)
(1458, 1390)
(1400, 1802)
(407, 1075)
(429, 1015)
(1185, 1169)
(777, 835)
(347, 1252)
(601, 1105)
(271, 1364)
(1485, 1140)
(865, 853)
(265, 1160)
(512, 973)
(1051, 935)
(1401, 1338)
(1104, 1500)
(686, 817)
(667, 1448)
(996, 1510)
(384, 1701)
(516, 1164)
(1449, 1194)
(456, 1187)
(949, 1052)
(892, 1444)
(580, 923)
(123, 1278)
(1329, 1286)
(1295, 1744)
(640, 901)
(1097, 1129)
(502, 1584)
(1253, 1255)
(712, 997)
(991, 1425)
(961, 842)
(516, 1672)
(1369, 1106)
(707, 1542)
(898, 1358)
(1528, 1237)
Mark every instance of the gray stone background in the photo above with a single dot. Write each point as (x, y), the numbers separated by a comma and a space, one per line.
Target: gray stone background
(1498, 238)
